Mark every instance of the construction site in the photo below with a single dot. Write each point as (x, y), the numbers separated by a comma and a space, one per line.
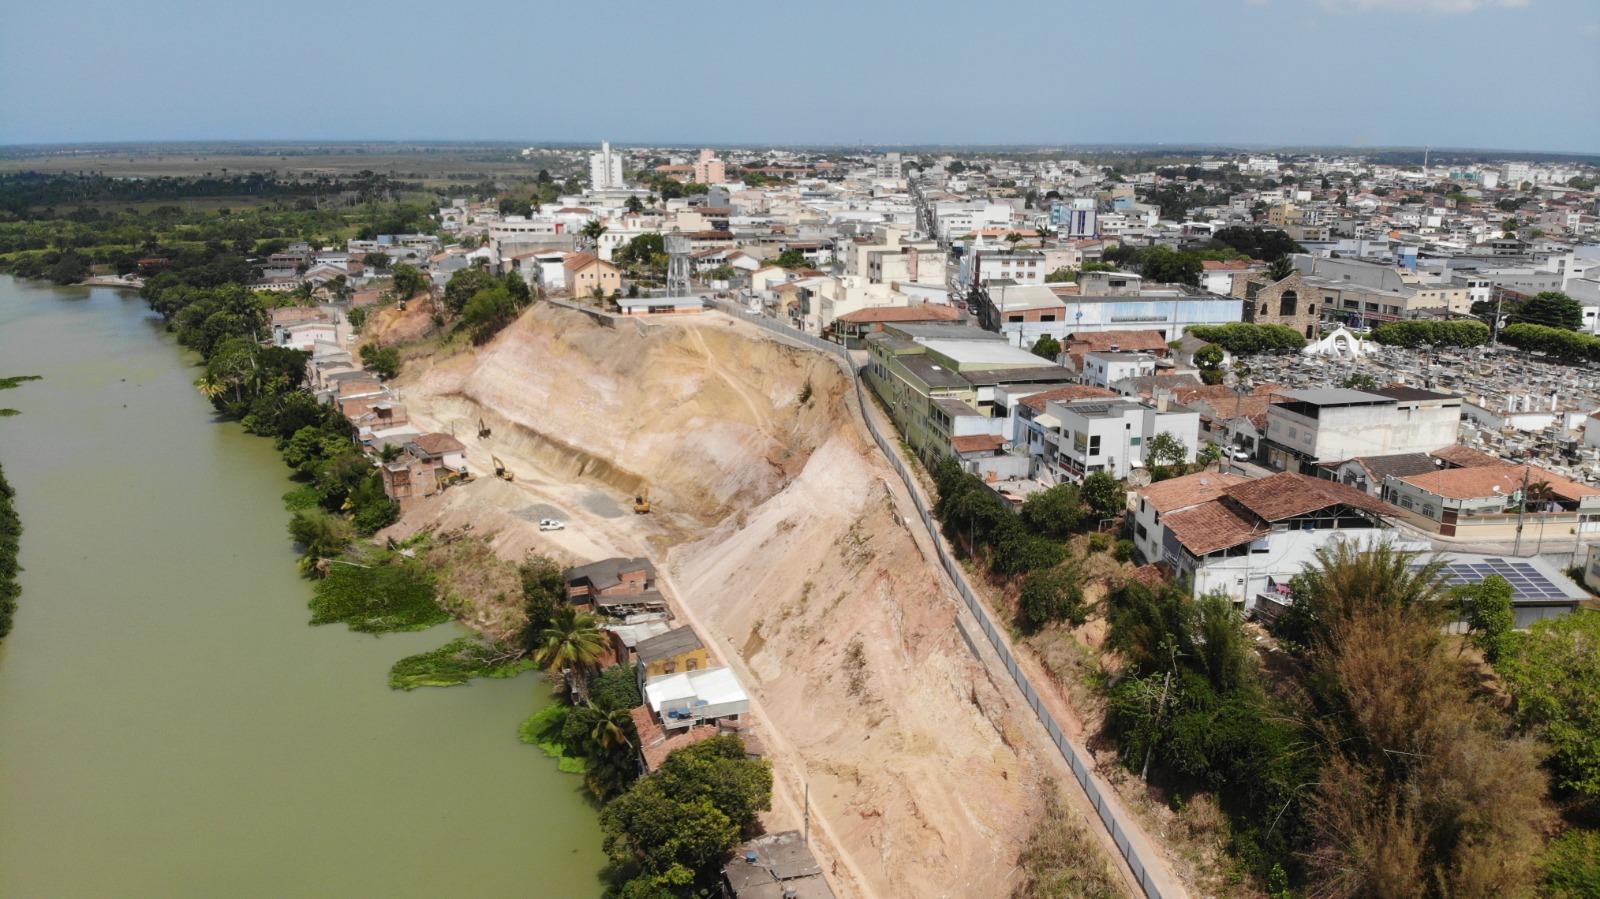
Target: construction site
(783, 536)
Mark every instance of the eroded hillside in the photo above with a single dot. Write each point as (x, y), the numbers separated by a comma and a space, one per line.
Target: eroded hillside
(781, 532)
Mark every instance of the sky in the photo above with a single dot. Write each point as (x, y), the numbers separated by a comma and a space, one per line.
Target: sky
(1499, 74)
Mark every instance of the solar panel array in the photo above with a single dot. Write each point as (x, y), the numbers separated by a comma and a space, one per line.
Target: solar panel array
(1526, 580)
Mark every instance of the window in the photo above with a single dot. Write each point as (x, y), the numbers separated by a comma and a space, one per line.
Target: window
(1288, 302)
(1094, 445)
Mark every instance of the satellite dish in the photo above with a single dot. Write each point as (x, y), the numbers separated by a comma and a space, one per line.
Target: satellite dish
(1139, 477)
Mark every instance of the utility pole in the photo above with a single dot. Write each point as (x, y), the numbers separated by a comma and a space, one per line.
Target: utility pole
(1522, 508)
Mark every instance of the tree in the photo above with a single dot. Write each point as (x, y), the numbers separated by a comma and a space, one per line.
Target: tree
(544, 590)
(1553, 674)
(488, 311)
(1208, 359)
(1054, 594)
(1552, 309)
(408, 281)
(320, 534)
(1169, 266)
(634, 206)
(383, 361)
(515, 206)
(1166, 450)
(1359, 381)
(1061, 275)
(1047, 347)
(1281, 268)
(1487, 608)
(791, 259)
(1105, 495)
(464, 284)
(592, 231)
(1056, 511)
(675, 827)
(571, 642)
(378, 262)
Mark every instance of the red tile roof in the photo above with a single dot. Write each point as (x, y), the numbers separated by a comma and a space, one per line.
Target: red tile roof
(1126, 341)
(1191, 489)
(1483, 480)
(926, 312)
(439, 444)
(1460, 456)
(978, 443)
(1287, 495)
(1211, 526)
(1066, 394)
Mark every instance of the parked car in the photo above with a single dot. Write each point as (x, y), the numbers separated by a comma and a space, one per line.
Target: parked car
(552, 524)
(1240, 454)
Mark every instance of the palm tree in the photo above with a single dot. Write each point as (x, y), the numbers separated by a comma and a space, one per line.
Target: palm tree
(572, 642)
(592, 231)
(1281, 268)
(610, 729)
(210, 386)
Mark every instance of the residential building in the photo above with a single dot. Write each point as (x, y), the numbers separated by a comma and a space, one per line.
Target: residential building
(586, 274)
(605, 169)
(1075, 218)
(708, 169)
(1248, 539)
(1496, 502)
(774, 866)
(679, 649)
(1072, 439)
(1335, 424)
(688, 698)
(610, 577)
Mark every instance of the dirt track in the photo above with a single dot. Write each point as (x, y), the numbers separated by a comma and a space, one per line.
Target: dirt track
(784, 545)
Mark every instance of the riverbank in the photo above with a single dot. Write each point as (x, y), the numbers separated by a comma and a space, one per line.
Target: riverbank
(170, 725)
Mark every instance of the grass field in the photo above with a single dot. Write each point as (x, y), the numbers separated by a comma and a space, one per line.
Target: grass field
(434, 166)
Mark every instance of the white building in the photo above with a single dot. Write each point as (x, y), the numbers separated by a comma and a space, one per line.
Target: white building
(694, 697)
(1073, 439)
(605, 169)
(1335, 424)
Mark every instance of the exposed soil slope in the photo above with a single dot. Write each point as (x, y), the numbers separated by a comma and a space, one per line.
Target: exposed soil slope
(779, 534)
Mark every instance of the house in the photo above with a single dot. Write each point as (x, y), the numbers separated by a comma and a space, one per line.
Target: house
(1217, 276)
(688, 698)
(586, 273)
(442, 449)
(1073, 439)
(1496, 502)
(609, 577)
(1254, 536)
(1335, 424)
(774, 866)
(427, 464)
(1369, 472)
(679, 649)
(852, 327)
(1169, 496)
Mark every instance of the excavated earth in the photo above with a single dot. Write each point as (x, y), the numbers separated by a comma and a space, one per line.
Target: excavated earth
(781, 534)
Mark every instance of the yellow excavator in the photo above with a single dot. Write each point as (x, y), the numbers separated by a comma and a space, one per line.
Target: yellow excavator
(501, 471)
(641, 503)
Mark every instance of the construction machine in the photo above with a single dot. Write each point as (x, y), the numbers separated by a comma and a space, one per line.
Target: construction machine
(483, 429)
(641, 503)
(501, 471)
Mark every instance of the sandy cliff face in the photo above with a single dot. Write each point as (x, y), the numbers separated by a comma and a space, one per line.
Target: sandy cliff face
(780, 531)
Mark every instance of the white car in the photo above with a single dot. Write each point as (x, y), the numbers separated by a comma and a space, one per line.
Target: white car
(552, 524)
(1239, 454)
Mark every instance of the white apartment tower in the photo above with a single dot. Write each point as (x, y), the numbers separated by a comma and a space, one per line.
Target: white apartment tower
(605, 169)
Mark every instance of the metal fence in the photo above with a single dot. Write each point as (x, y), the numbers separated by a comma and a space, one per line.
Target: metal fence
(1092, 785)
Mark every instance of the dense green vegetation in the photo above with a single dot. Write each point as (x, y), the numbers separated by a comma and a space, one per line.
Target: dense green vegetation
(9, 383)
(1247, 338)
(1368, 763)
(457, 662)
(976, 519)
(10, 541)
(386, 592)
(1268, 244)
(669, 833)
(1419, 332)
(1553, 673)
(1564, 345)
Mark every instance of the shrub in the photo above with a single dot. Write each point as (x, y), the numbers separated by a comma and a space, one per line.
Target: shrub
(1415, 333)
(1052, 595)
(1246, 338)
(393, 595)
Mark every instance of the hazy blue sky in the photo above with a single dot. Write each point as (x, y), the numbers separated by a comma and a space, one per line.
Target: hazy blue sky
(1521, 74)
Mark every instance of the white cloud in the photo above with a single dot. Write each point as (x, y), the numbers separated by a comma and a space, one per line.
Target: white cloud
(1427, 7)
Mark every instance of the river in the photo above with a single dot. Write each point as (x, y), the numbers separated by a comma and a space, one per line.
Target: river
(169, 723)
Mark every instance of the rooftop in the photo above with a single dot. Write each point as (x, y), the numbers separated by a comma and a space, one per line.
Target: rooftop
(982, 353)
(774, 866)
(668, 645)
(1191, 489)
